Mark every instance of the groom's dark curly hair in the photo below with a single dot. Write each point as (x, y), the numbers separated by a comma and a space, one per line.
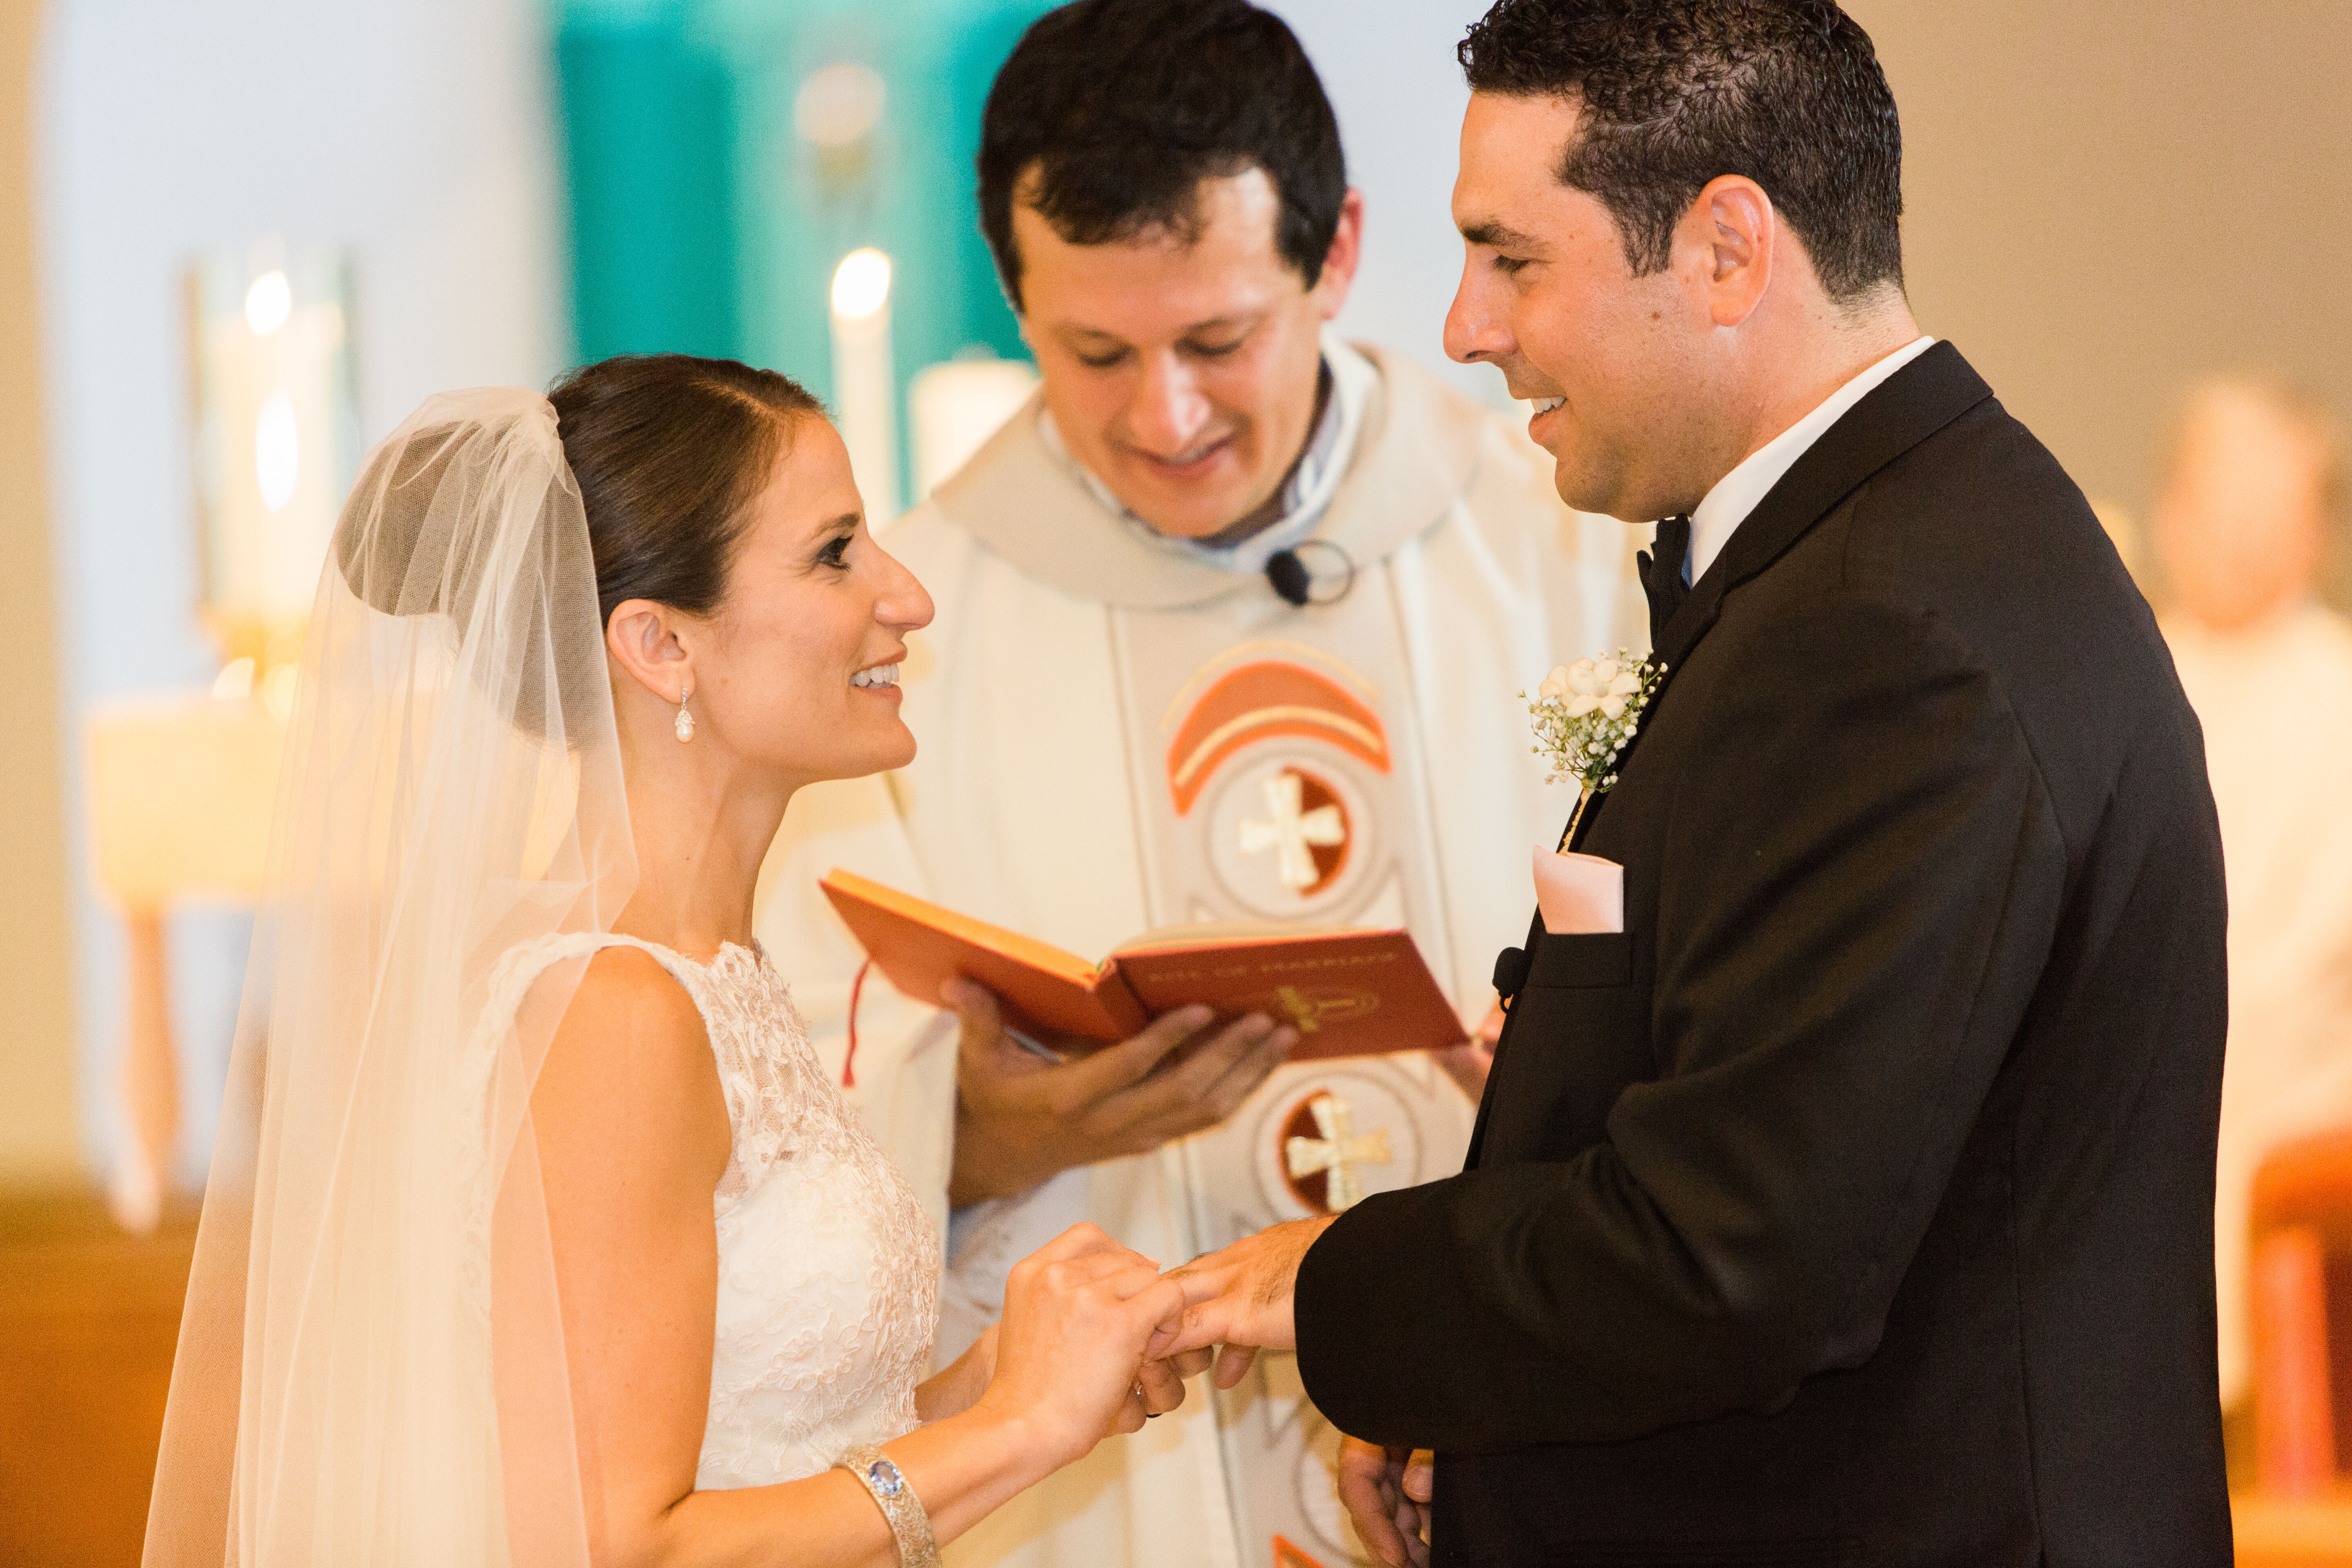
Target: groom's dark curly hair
(1675, 93)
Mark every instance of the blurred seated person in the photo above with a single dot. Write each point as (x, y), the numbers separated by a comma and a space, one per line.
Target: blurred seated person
(2240, 529)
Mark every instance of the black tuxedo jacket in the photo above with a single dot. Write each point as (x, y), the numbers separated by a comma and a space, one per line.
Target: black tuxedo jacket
(1855, 1205)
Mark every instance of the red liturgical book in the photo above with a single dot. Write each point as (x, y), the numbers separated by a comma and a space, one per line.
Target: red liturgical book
(1348, 992)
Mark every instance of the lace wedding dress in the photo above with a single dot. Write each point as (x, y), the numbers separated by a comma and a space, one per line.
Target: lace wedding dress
(828, 1266)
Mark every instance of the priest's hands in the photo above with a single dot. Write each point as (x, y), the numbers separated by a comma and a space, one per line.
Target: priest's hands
(1239, 1296)
(1020, 1119)
(1387, 1492)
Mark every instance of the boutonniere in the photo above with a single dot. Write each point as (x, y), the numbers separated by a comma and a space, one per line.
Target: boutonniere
(1584, 714)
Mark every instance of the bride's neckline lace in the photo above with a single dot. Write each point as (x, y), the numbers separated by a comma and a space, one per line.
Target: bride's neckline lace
(751, 951)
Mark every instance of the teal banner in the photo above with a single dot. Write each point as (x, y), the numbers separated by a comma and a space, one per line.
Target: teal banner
(722, 156)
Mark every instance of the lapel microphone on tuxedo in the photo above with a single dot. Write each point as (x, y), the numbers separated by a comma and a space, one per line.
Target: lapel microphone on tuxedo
(1294, 580)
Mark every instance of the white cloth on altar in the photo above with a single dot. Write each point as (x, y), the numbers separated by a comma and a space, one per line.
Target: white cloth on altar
(1028, 805)
(2276, 705)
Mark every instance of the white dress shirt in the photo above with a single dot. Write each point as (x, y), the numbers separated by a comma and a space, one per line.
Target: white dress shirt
(1736, 494)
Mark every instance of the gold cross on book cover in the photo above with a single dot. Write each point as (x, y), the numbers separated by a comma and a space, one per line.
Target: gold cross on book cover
(1348, 992)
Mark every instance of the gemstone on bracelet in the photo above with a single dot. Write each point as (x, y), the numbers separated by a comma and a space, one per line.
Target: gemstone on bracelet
(886, 1478)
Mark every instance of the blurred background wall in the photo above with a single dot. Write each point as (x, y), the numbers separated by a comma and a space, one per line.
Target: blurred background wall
(416, 136)
(2105, 201)
(38, 1138)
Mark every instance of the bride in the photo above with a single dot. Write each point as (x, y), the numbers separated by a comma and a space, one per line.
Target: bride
(536, 1233)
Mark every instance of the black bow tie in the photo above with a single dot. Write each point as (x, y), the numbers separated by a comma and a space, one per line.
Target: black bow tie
(1661, 567)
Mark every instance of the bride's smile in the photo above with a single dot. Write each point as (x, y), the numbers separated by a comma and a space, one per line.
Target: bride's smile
(794, 674)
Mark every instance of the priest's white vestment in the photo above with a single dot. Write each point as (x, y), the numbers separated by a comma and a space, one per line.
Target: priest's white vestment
(1118, 733)
(2275, 702)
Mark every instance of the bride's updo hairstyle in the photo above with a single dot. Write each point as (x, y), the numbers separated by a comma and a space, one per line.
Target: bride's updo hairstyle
(668, 451)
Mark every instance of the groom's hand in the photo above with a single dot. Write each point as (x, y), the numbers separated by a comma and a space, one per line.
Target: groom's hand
(1239, 1298)
(1387, 1492)
(1020, 1119)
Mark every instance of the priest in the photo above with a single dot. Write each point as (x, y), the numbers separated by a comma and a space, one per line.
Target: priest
(1233, 620)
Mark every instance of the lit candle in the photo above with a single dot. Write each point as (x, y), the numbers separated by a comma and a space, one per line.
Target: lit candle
(272, 364)
(865, 391)
(955, 407)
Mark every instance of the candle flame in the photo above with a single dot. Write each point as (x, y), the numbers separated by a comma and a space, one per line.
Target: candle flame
(268, 303)
(861, 284)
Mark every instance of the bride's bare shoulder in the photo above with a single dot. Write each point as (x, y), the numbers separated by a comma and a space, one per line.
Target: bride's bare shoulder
(632, 1059)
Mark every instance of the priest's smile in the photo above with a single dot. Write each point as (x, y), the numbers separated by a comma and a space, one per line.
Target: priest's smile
(1189, 465)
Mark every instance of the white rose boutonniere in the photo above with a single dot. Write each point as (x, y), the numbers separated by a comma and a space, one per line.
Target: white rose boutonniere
(1584, 714)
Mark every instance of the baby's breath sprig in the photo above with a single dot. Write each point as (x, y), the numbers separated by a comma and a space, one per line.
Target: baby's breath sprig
(1584, 715)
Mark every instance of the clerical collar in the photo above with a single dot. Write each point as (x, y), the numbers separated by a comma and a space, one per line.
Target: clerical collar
(1726, 506)
(1305, 494)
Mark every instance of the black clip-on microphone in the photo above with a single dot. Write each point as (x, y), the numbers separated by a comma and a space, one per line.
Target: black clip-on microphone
(1296, 584)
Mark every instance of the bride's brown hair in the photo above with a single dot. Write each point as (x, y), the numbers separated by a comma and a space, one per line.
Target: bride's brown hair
(668, 451)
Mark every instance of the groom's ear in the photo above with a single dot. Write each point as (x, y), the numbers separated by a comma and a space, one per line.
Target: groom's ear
(644, 638)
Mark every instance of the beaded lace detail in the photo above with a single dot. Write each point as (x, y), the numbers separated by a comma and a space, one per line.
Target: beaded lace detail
(828, 1267)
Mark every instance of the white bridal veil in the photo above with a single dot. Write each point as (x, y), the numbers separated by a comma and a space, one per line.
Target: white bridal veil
(371, 1364)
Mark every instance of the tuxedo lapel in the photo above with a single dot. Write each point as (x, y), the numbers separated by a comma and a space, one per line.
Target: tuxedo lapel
(1913, 403)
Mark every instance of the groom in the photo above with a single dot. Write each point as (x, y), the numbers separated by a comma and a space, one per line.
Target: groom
(1852, 1203)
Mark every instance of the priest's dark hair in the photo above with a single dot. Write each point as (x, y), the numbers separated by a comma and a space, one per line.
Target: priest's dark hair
(1109, 114)
(1672, 94)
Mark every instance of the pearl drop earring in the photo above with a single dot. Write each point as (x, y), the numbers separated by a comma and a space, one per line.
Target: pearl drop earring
(685, 725)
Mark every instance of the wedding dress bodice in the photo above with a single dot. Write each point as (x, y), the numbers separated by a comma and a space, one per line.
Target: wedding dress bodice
(828, 1266)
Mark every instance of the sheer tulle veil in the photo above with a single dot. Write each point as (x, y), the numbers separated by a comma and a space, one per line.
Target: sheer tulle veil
(371, 1364)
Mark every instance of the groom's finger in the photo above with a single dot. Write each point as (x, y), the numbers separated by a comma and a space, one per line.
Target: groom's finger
(1204, 1322)
(1232, 1364)
(1191, 1364)
(1204, 1279)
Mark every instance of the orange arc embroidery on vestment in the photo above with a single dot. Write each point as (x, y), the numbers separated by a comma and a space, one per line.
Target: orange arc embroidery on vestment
(1286, 1555)
(1268, 698)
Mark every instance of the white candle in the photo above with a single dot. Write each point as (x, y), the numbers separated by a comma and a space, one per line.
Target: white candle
(955, 407)
(865, 391)
(272, 365)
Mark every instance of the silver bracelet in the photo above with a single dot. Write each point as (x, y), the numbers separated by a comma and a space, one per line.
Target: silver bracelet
(896, 1500)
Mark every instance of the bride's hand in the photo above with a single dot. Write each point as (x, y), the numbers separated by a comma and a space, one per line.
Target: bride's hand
(1079, 1313)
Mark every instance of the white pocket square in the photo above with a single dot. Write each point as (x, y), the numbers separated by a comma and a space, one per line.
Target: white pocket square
(1579, 894)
